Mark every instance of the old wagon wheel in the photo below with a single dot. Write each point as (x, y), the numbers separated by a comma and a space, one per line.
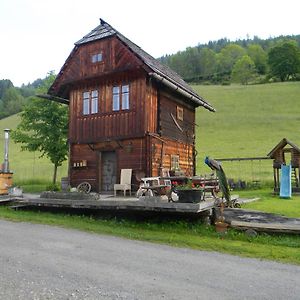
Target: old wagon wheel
(237, 205)
(84, 187)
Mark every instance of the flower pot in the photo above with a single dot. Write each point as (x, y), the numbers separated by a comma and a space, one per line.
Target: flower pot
(189, 196)
(221, 227)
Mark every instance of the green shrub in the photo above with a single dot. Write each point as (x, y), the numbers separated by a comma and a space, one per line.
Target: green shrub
(53, 188)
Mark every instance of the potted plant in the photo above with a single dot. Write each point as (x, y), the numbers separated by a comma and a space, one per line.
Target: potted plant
(221, 225)
(189, 192)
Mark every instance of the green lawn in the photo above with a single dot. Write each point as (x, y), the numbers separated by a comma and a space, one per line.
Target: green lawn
(249, 122)
(272, 203)
(27, 166)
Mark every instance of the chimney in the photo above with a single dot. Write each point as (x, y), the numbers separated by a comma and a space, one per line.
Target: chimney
(6, 142)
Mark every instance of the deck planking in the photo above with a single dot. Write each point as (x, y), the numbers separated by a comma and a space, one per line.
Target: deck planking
(261, 221)
(124, 204)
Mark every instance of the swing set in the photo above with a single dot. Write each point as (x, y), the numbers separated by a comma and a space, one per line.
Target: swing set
(255, 171)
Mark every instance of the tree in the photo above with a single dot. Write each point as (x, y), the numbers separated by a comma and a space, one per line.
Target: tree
(259, 57)
(12, 102)
(4, 85)
(207, 62)
(192, 63)
(44, 127)
(284, 60)
(243, 70)
(228, 57)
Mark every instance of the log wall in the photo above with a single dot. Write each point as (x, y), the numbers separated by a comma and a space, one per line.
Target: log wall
(162, 152)
(170, 125)
(130, 154)
(116, 57)
(108, 124)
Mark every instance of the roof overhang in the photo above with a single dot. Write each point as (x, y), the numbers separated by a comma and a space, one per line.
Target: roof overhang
(281, 145)
(197, 100)
(54, 98)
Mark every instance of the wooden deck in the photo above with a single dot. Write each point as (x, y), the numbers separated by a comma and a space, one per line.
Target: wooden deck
(5, 199)
(118, 203)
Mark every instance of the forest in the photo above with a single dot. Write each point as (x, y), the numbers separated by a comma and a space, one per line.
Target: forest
(248, 61)
(12, 99)
(243, 61)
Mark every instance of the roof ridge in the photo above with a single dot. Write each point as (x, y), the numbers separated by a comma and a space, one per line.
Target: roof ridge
(101, 31)
(105, 30)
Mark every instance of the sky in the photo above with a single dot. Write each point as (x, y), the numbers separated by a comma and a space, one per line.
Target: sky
(38, 35)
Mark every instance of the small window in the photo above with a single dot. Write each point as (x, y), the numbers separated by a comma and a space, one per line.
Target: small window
(125, 97)
(97, 57)
(175, 162)
(179, 113)
(116, 98)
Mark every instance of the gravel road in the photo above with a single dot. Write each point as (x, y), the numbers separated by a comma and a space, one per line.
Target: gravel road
(44, 262)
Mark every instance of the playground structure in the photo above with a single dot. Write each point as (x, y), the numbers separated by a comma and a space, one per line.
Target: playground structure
(286, 157)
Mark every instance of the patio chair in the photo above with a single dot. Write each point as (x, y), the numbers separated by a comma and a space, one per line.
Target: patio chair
(125, 182)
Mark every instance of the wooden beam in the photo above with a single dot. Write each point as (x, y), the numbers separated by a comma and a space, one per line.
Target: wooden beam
(266, 227)
(54, 98)
(242, 158)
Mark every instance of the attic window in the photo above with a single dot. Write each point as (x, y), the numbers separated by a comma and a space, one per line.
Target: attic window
(179, 114)
(97, 57)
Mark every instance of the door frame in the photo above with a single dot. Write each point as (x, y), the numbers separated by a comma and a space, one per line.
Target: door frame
(100, 166)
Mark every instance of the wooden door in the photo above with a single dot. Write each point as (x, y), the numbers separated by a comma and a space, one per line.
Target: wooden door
(108, 170)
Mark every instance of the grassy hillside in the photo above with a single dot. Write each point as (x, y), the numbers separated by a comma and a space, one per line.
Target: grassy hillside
(249, 122)
(26, 166)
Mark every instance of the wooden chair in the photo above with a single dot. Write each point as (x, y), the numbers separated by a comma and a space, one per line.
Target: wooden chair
(125, 182)
(165, 173)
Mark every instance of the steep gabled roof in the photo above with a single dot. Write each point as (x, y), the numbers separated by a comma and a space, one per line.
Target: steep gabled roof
(158, 71)
(281, 145)
(100, 32)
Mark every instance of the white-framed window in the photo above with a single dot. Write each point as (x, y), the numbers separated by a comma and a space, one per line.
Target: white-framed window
(86, 103)
(90, 102)
(125, 96)
(97, 57)
(116, 98)
(94, 106)
(120, 97)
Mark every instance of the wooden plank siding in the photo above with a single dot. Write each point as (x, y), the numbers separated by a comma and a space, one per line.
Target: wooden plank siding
(116, 57)
(151, 107)
(161, 155)
(130, 154)
(295, 158)
(159, 122)
(88, 173)
(107, 124)
(168, 127)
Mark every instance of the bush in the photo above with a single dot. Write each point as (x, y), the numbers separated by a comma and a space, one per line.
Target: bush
(53, 188)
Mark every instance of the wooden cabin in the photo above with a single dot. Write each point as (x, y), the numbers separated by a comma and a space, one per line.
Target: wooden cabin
(285, 153)
(127, 110)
